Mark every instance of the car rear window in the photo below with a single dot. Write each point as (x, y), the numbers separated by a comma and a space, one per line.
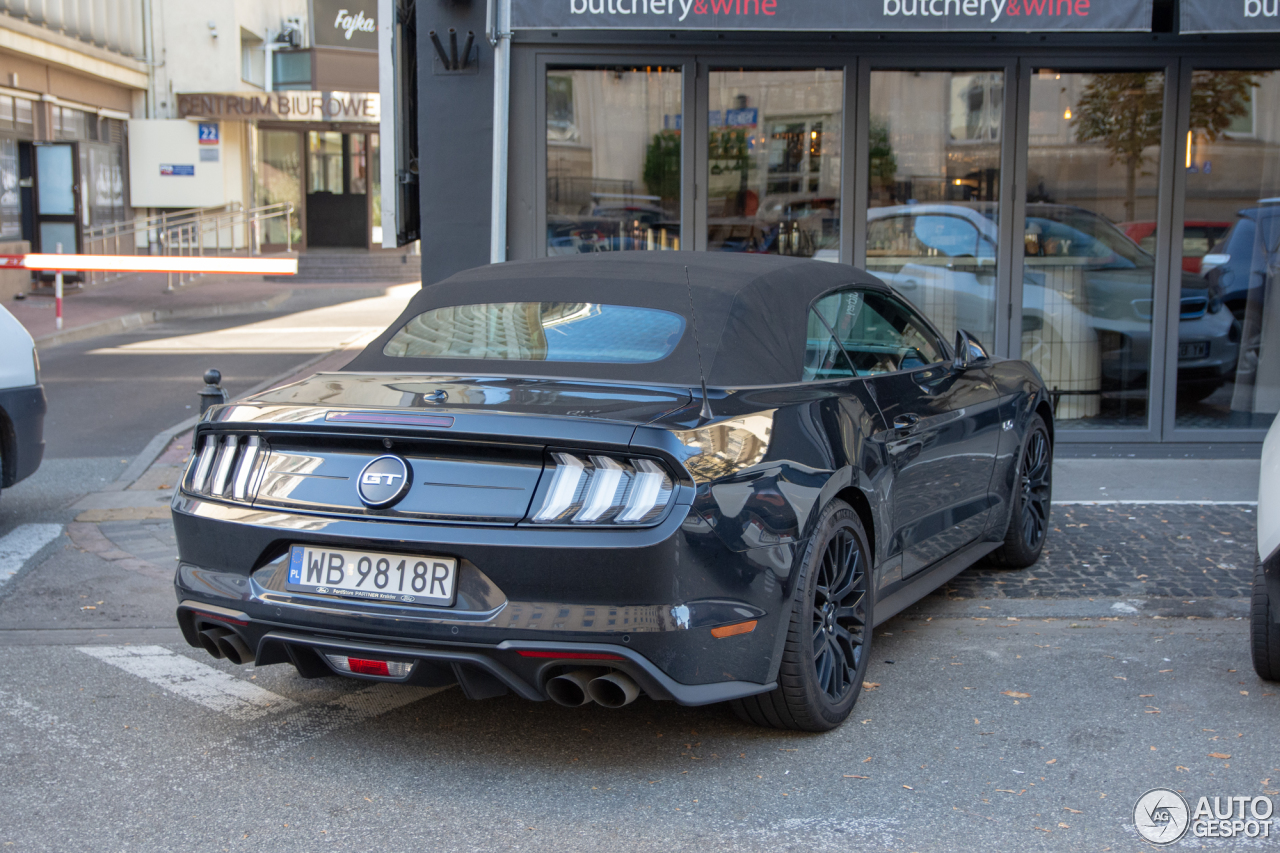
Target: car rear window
(540, 331)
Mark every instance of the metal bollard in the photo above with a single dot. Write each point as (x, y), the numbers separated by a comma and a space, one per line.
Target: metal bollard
(212, 394)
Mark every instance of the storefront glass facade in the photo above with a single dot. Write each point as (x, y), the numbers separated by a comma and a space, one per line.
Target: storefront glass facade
(1113, 220)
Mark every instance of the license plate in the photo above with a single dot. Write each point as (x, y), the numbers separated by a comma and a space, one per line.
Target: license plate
(371, 576)
(1200, 349)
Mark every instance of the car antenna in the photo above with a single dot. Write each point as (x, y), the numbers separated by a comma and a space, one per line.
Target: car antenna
(705, 414)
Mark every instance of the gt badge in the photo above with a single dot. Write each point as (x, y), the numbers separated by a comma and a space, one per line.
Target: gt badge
(383, 481)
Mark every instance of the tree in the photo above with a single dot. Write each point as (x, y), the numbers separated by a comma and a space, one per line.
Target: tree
(1125, 111)
(662, 167)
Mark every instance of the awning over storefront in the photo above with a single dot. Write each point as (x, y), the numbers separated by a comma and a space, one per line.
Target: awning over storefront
(1230, 16)
(851, 15)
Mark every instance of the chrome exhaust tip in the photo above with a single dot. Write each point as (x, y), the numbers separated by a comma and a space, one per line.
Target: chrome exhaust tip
(613, 690)
(570, 689)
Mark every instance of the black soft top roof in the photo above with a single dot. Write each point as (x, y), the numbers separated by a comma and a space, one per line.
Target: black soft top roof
(752, 313)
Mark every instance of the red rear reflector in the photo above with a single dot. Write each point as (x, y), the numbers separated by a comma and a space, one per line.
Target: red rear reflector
(368, 667)
(203, 615)
(733, 630)
(571, 655)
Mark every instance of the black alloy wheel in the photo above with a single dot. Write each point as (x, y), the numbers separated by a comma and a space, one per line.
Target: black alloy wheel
(839, 615)
(1030, 502)
(828, 640)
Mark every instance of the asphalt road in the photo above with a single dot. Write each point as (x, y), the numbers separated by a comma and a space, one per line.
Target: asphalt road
(980, 735)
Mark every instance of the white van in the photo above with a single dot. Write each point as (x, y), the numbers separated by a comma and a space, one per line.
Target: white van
(22, 403)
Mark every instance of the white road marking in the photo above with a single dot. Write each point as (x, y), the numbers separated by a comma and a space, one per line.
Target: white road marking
(21, 544)
(192, 680)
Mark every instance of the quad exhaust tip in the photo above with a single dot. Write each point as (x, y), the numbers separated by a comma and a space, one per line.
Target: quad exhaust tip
(584, 686)
(613, 690)
(570, 689)
(223, 643)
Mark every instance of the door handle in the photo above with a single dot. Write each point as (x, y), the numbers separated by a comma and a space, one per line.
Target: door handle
(905, 422)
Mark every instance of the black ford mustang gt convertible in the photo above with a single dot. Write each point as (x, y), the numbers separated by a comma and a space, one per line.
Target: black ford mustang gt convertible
(702, 478)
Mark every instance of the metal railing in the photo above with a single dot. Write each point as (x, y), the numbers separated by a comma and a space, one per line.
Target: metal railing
(200, 232)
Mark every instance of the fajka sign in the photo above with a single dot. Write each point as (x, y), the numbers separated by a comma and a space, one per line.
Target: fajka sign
(357, 107)
(826, 15)
(1230, 16)
(345, 23)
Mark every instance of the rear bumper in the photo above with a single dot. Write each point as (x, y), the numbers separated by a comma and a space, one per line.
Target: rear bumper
(22, 437)
(482, 670)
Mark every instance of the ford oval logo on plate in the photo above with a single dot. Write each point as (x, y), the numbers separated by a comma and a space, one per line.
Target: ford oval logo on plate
(383, 481)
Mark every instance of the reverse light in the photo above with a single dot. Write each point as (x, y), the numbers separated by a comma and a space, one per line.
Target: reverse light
(225, 467)
(367, 666)
(604, 490)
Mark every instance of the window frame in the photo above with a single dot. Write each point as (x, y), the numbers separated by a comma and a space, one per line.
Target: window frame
(944, 348)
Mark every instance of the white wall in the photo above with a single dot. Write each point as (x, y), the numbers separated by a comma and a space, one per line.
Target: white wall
(174, 142)
(192, 60)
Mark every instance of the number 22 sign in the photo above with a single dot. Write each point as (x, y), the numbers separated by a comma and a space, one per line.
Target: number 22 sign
(208, 133)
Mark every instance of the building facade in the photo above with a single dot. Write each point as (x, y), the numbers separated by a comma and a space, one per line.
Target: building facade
(71, 76)
(264, 102)
(1094, 187)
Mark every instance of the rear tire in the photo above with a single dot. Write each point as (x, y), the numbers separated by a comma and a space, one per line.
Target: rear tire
(1265, 632)
(829, 635)
(1029, 506)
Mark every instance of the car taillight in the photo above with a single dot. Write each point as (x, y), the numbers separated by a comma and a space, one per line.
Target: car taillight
(365, 666)
(594, 489)
(224, 466)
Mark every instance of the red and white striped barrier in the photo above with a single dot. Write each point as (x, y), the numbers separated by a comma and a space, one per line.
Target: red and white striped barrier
(142, 263)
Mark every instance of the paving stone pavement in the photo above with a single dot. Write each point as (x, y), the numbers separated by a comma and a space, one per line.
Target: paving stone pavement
(1130, 550)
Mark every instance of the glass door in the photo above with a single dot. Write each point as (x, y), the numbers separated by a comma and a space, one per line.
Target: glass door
(1089, 291)
(614, 155)
(774, 161)
(933, 192)
(1228, 371)
(278, 178)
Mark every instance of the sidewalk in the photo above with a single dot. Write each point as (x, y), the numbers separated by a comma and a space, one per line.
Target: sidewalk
(141, 299)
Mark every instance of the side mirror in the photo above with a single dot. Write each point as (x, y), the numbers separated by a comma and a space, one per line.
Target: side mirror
(969, 353)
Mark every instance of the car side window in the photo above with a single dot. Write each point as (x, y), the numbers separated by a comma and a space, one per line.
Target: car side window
(879, 333)
(823, 357)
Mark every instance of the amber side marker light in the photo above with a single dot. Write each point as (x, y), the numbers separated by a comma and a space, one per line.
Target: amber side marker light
(733, 630)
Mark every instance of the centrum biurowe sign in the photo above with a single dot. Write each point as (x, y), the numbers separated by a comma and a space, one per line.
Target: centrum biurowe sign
(852, 15)
(361, 107)
(1230, 16)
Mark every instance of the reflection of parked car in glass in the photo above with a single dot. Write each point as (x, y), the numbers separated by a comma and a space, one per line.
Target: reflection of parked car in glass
(1243, 268)
(1081, 273)
(1198, 238)
(613, 226)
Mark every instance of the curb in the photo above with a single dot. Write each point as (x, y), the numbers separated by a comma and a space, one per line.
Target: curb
(145, 318)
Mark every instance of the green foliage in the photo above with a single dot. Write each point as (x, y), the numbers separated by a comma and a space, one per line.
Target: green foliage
(884, 165)
(662, 166)
(1125, 112)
